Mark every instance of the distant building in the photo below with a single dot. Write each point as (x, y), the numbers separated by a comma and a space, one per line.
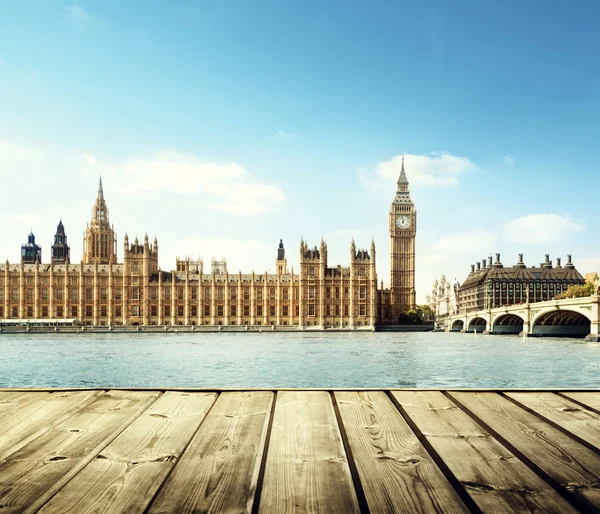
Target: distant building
(31, 252)
(100, 241)
(491, 285)
(60, 249)
(443, 300)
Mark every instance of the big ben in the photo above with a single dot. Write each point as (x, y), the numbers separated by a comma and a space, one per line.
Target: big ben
(403, 230)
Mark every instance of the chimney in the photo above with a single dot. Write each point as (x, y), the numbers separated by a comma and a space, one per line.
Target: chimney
(490, 261)
(570, 264)
(558, 262)
(472, 268)
(483, 264)
(478, 266)
(520, 264)
(520, 258)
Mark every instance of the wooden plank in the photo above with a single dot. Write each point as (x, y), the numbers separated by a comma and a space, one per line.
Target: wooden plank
(592, 400)
(497, 481)
(219, 470)
(129, 471)
(307, 468)
(26, 422)
(13, 402)
(34, 473)
(572, 465)
(396, 472)
(579, 421)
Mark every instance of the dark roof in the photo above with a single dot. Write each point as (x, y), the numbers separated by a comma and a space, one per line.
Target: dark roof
(521, 274)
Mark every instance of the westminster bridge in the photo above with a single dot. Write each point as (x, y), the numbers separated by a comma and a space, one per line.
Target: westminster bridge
(572, 317)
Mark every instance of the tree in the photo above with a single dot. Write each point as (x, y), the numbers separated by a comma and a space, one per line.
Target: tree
(411, 317)
(427, 312)
(578, 291)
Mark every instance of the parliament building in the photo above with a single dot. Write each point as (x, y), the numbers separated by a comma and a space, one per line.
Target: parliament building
(103, 291)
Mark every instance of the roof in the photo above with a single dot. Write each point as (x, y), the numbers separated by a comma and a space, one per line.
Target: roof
(521, 274)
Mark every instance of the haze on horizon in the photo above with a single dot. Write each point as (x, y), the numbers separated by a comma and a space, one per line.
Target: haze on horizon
(222, 127)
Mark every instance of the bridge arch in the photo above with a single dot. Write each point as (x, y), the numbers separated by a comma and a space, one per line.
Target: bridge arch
(477, 324)
(457, 325)
(561, 323)
(508, 324)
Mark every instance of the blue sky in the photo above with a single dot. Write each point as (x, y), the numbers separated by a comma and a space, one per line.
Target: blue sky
(222, 126)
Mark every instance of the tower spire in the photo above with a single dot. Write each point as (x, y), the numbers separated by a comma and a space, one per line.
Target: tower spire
(402, 180)
(100, 190)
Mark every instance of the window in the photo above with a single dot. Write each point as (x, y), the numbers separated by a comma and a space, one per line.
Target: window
(311, 292)
(180, 293)
(29, 293)
(328, 310)
(88, 294)
(234, 310)
(311, 309)
(153, 293)
(286, 311)
(103, 293)
(207, 294)
(337, 293)
(30, 312)
(74, 311)
(220, 294)
(272, 292)
(1, 294)
(219, 311)
(118, 312)
(59, 311)
(194, 293)
(207, 311)
(89, 312)
(135, 293)
(337, 310)
(234, 293)
(59, 294)
(135, 311)
(167, 294)
(15, 294)
(136, 267)
(246, 310)
(259, 310)
(311, 272)
(272, 311)
(117, 293)
(346, 310)
(180, 310)
(1, 311)
(167, 310)
(153, 311)
(363, 293)
(259, 293)
(328, 293)
(44, 311)
(362, 310)
(44, 294)
(286, 293)
(103, 311)
(297, 310)
(15, 312)
(194, 311)
(246, 293)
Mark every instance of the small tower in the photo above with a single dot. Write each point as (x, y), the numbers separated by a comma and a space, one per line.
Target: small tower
(100, 243)
(281, 263)
(60, 249)
(31, 252)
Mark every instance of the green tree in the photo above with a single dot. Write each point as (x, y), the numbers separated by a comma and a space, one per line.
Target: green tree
(578, 291)
(427, 312)
(411, 317)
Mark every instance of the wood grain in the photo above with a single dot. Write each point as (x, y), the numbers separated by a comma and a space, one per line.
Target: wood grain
(572, 465)
(27, 421)
(497, 481)
(125, 476)
(592, 400)
(396, 472)
(219, 470)
(579, 421)
(31, 475)
(306, 469)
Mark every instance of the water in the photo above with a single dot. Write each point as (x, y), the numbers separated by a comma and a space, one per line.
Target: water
(386, 360)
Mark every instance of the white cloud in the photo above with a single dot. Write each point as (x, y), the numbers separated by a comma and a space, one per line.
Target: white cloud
(434, 169)
(27, 218)
(21, 158)
(227, 187)
(541, 228)
(79, 13)
(508, 160)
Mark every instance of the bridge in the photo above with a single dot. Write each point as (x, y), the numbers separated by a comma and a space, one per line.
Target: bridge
(572, 317)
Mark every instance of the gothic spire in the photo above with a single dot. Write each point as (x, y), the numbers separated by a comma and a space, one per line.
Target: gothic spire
(402, 178)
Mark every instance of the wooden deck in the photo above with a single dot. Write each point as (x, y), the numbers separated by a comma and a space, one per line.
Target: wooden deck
(263, 451)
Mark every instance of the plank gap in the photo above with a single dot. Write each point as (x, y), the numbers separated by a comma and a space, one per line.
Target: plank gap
(581, 404)
(358, 487)
(543, 418)
(450, 477)
(579, 503)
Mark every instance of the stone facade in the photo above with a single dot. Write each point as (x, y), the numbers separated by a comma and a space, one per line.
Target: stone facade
(100, 291)
(491, 285)
(443, 300)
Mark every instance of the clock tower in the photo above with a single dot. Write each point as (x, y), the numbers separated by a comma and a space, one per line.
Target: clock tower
(403, 230)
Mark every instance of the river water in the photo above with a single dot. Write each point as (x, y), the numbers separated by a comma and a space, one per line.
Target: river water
(386, 360)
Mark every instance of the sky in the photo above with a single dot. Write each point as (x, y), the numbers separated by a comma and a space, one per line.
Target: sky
(221, 127)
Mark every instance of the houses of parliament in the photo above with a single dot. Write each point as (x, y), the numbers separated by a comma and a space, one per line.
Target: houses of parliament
(103, 291)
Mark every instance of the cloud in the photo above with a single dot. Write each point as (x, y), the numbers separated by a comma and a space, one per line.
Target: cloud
(286, 135)
(541, 228)
(96, 166)
(434, 169)
(27, 218)
(79, 13)
(226, 187)
(508, 160)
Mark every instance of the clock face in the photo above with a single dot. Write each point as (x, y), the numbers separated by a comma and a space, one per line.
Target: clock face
(403, 221)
